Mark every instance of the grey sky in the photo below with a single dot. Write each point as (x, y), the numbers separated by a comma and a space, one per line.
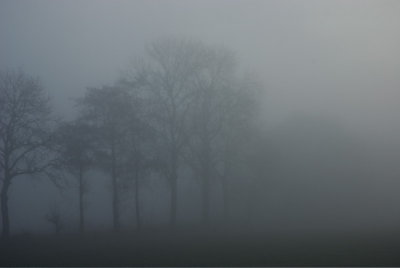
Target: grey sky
(340, 56)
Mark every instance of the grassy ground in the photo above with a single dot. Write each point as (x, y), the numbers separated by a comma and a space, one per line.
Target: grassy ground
(199, 249)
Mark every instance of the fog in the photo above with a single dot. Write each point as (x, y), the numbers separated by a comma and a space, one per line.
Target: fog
(324, 159)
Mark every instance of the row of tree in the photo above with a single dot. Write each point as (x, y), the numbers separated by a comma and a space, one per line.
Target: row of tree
(184, 106)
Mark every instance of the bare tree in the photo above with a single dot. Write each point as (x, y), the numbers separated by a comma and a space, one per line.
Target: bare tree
(213, 87)
(24, 132)
(239, 137)
(137, 154)
(54, 217)
(110, 111)
(166, 84)
(75, 142)
(139, 163)
(194, 95)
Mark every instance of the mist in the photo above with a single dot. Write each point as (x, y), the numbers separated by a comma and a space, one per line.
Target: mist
(284, 129)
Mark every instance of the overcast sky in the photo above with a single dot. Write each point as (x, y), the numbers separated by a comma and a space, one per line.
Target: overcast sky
(336, 58)
(339, 57)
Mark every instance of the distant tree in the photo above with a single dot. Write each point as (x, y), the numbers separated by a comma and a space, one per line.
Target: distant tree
(75, 143)
(138, 153)
(139, 162)
(212, 87)
(194, 100)
(54, 217)
(110, 111)
(165, 80)
(220, 114)
(25, 132)
(239, 138)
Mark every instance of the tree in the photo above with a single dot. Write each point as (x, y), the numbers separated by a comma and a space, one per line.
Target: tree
(54, 217)
(110, 111)
(165, 81)
(239, 137)
(137, 154)
(75, 141)
(25, 132)
(221, 113)
(193, 96)
(213, 87)
(138, 163)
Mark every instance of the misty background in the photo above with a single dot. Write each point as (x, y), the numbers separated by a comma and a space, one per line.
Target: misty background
(330, 72)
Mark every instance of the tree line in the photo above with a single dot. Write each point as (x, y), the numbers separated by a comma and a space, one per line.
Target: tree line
(185, 104)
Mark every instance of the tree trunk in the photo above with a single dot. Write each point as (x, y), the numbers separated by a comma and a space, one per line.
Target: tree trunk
(206, 195)
(173, 199)
(206, 174)
(174, 191)
(137, 202)
(115, 199)
(4, 209)
(81, 208)
(225, 193)
(115, 204)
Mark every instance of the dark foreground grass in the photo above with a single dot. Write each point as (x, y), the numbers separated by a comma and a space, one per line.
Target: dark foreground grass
(200, 249)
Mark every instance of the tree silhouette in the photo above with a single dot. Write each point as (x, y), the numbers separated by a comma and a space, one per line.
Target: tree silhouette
(54, 217)
(165, 80)
(75, 141)
(194, 96)
(110, 111)
(24, 132)
(213, 86)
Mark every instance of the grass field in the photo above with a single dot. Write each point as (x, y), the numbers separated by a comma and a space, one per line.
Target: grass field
(155, 248)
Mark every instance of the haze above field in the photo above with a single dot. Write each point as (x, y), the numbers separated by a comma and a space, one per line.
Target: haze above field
(330, 70)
